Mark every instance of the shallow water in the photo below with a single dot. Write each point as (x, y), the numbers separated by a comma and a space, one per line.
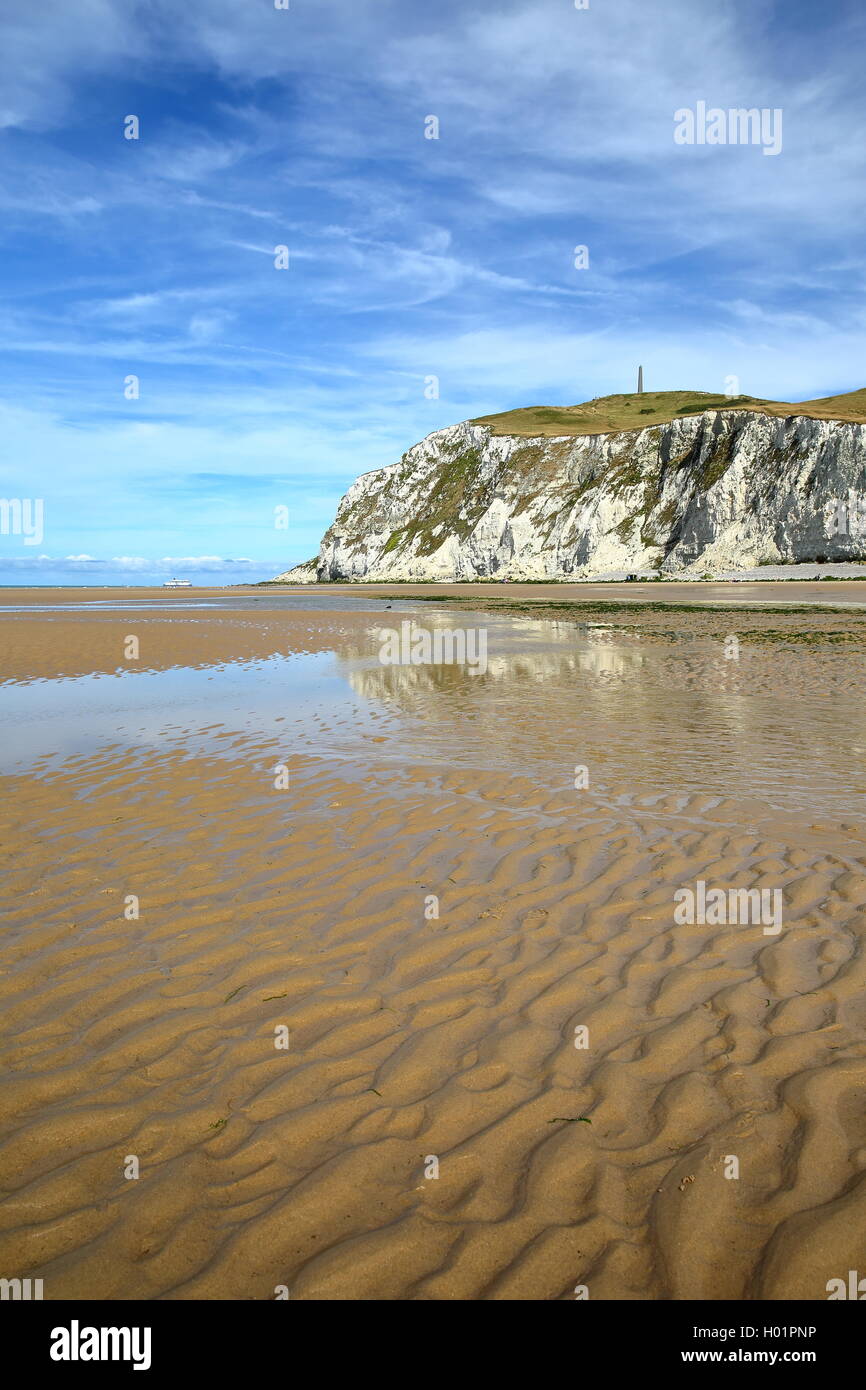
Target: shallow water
(636, 711)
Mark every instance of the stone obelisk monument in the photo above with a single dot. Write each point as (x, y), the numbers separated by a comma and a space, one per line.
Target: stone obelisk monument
(640, 381)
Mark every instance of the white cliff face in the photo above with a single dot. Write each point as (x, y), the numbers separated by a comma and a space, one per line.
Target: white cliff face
(722, 490)
(300, 574)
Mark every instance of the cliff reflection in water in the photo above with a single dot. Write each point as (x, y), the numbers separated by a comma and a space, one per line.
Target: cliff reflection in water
(644, 713)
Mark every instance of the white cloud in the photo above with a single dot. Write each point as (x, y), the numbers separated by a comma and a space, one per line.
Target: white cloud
(135, 564)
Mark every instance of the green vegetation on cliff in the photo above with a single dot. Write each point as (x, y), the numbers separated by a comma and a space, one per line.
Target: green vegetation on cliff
(611, 414)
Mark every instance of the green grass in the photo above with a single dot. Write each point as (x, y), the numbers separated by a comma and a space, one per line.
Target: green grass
(579, 606)
(623, 616)
(611, 414)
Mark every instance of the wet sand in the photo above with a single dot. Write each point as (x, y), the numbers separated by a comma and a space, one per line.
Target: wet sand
(413, 1036)
(669, 591)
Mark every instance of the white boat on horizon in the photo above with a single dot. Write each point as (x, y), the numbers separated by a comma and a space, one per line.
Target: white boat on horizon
(177, 584)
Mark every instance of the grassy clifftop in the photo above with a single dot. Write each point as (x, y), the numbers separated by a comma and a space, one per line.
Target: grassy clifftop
(610, 414)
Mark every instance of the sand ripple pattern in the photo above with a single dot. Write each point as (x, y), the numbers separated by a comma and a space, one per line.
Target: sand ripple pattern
(410, 1038)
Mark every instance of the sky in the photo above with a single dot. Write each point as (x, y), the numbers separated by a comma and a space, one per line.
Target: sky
(171, 392)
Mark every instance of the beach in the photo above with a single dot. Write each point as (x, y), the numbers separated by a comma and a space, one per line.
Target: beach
(333, 979)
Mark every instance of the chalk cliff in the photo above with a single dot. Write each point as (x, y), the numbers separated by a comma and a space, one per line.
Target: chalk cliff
(722, 488)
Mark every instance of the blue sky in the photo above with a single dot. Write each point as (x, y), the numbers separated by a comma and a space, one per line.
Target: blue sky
(408, 257)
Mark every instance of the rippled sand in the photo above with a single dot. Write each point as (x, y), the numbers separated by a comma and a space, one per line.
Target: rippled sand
(413, 1036)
